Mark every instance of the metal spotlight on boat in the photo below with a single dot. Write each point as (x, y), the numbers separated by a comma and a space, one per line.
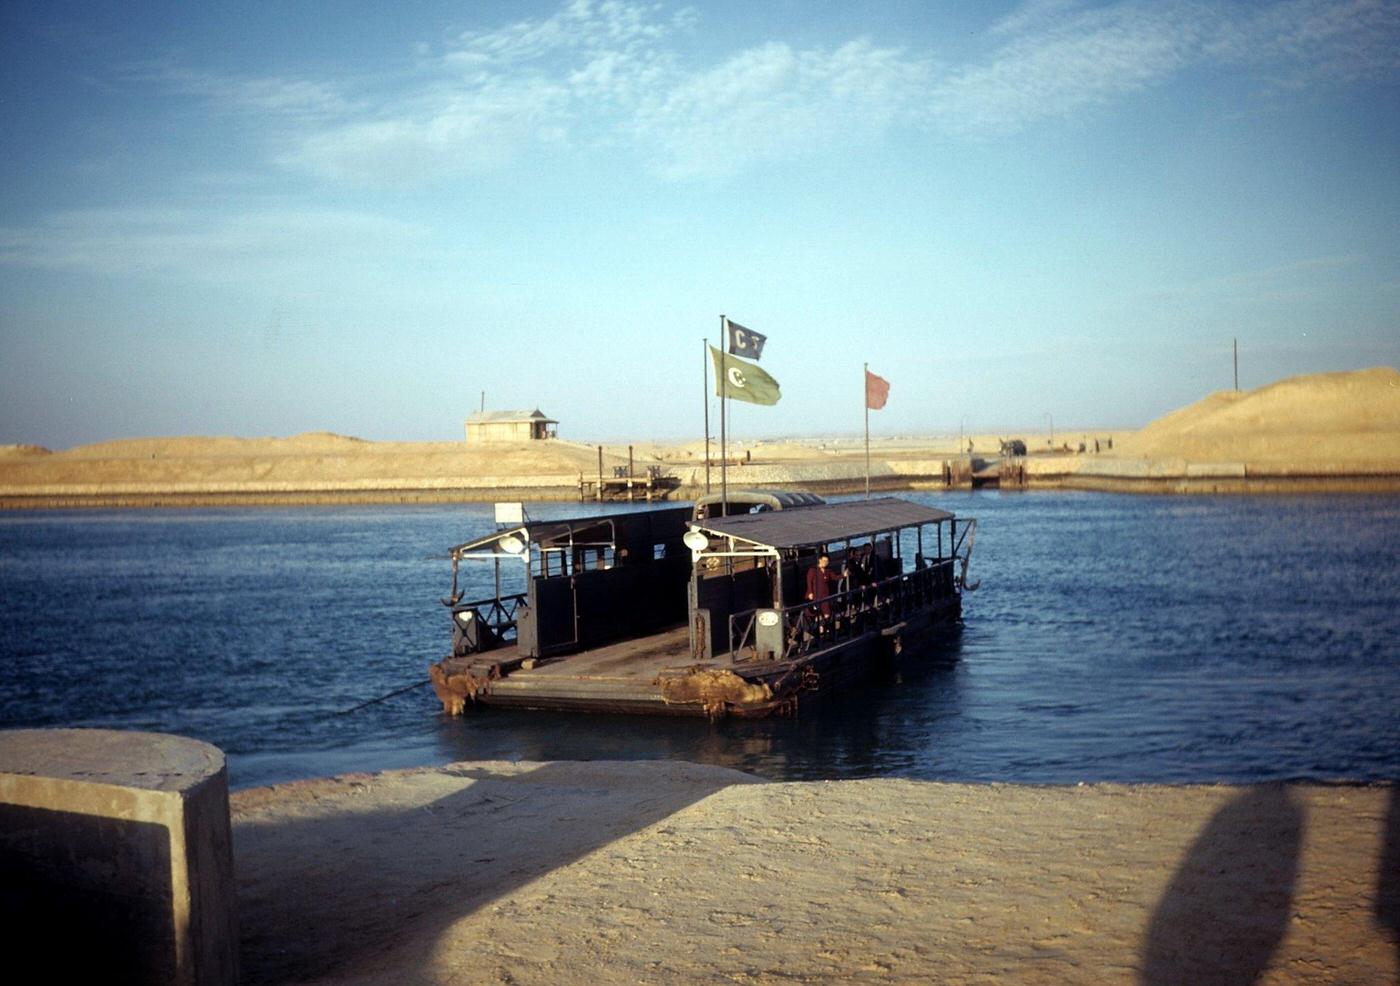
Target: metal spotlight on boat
(695, 540)
(511, 544)
(465, 616)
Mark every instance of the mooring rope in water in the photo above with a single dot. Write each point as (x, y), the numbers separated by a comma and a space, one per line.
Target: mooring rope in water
(381, 698)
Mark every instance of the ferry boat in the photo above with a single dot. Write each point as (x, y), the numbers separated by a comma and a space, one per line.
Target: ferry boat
(702, 610)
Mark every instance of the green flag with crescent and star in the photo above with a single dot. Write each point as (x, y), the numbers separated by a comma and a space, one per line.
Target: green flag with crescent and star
(742, 380)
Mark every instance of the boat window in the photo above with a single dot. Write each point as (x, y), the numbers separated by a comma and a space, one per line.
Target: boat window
(553, 562)
(604, 558)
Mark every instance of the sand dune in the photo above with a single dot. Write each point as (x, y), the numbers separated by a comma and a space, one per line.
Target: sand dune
(1337, 426)
(318, 461)
(1333, 418)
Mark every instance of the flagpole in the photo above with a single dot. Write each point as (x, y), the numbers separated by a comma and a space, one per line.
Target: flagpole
(705, 375)
(865, 388)
(723, 439)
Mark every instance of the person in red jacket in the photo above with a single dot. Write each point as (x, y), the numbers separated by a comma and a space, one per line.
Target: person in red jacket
(821, 583)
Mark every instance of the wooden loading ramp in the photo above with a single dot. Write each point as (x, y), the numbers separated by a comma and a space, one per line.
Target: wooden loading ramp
(621, 677)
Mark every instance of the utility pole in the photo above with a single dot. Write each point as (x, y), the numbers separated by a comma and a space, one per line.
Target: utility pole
(1237, 365)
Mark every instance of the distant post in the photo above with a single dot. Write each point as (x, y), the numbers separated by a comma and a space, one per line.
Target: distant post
(1237, 364)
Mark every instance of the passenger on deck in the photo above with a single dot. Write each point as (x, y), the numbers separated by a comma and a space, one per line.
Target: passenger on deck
(821, 583)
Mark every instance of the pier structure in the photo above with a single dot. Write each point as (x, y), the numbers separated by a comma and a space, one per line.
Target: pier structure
(625, 484)
(628, 488)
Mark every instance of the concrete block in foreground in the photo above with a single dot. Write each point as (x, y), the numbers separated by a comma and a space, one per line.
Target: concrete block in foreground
(115, 857)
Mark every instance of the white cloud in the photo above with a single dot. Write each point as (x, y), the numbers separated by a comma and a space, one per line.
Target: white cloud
(300, 99)
(1060, 64)
(616, 73)
(205, 246)
(298, 96)
(580, 25)
(1032, 15)
(493, 95)
(460, 133)
(1309, 40)
(772, 101)
(1057, 58)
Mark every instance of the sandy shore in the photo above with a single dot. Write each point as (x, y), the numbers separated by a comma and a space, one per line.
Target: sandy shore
(666, 872)
(312, 469)
(1331, 431)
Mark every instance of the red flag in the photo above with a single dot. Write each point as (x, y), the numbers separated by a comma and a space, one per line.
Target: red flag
(877, 391)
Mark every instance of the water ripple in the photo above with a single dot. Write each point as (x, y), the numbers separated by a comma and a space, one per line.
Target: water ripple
(1114, 638)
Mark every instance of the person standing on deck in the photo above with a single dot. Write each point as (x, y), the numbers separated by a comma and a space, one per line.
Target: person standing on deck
(820, 582)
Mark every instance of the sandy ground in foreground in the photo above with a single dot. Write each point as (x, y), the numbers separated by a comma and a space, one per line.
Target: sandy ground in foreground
(671, 872)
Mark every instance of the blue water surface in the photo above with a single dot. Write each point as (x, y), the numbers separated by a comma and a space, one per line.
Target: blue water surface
(1122, 638)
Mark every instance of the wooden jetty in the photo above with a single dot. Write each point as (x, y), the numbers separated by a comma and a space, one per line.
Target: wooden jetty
(662, 613)
(628, 488)
(625, 484)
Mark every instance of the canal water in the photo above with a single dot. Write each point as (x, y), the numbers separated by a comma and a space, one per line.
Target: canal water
(1113, 638)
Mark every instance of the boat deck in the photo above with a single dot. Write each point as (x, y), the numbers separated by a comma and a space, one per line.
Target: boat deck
(624, 676)
(624, 673)
(656, 675)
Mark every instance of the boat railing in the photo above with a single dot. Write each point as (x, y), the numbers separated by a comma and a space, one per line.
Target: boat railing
(964, 538)
(744, 624)
(844, 615)
(485, 624)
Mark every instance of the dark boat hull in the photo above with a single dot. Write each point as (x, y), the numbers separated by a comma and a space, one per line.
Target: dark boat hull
(655, 676)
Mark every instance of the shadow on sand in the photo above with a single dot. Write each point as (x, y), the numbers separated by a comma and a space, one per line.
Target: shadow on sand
(1388, 875)
(342, 891)
(1225, 911)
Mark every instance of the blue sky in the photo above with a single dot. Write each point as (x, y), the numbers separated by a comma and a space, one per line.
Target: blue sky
(263, 219)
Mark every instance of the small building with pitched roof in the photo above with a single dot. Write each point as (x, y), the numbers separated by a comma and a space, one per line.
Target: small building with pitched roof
(510, 426)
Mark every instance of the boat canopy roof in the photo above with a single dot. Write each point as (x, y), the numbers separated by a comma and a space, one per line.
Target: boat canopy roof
(542, 532)
(599, 529)
(819, 525)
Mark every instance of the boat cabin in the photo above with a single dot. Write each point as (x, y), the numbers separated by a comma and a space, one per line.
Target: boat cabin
(564, 585)
(747, 593)
(571, 584)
